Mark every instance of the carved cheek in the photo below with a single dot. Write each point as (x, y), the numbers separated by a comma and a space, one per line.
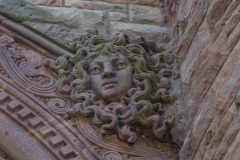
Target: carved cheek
(95, 82)
(125, 76)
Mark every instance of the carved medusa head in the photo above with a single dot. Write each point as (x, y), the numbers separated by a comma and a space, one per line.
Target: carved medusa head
(120, 82)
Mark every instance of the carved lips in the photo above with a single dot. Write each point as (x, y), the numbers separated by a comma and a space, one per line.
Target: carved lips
(109, 83)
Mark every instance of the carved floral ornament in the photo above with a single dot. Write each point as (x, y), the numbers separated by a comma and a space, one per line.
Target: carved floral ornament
(122, 83)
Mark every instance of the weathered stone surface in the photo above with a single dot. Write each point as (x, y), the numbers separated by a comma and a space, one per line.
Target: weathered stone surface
(185, 8)
(232, 18)
(24, 149)
(117, 16)
(171, 11)
(80, 19)
(228, 19)
(113, 7)
(20, 11)
(217, 102)
(142, 2)
(191, 29)
(215, 12)
(208, 51)
(46, 2)
(42, 22)
(59, 33)
(229, 124)
(159, 34)
(146, 14)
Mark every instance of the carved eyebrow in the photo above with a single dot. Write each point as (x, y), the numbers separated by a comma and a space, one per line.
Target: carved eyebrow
(115, 59)
(95, 62)
(99, 63)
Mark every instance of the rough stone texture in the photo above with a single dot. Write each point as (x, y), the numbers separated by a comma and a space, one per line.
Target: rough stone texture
(21, 11)
(171, 11)
(208, 51)
(159, 34)
(24, 149)
(146, 14)
(96, 5)
(142, 2)
(80, 19)
(46, 2)
(59, 33)
(117, 16)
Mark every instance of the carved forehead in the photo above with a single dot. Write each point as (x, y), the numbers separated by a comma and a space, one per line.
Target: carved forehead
(111, 57)
(106, 50)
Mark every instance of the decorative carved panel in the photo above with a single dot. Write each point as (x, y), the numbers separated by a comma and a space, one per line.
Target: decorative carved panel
(52, 101)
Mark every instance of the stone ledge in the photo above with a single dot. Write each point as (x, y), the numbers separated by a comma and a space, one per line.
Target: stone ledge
(142, 2)
(80, 18)
(150, 32)
(46, 2)
(146, 14)
(112, 7)
(117, 16)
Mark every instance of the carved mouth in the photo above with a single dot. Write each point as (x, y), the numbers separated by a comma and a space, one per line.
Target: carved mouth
(109, 83)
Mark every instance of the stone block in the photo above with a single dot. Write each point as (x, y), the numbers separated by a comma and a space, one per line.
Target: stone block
(142, 2)
(150, 32)
(79, 19)
(4, 97)
(46, 131)
(14, 105)
(46, 2)
(66, 151)
(117, 16)
(35, 122)
(57, 141)
(96, 5)
(147, 14)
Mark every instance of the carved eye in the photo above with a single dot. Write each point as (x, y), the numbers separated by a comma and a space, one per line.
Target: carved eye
(95, 70)
(121, 65)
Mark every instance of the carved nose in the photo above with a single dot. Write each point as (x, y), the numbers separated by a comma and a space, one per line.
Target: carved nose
(108, 72)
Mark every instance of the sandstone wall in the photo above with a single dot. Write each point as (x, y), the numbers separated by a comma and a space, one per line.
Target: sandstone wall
(138, 17)
(208, 52)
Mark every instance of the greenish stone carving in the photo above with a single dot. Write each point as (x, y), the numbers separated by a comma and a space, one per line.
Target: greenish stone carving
(121, 82)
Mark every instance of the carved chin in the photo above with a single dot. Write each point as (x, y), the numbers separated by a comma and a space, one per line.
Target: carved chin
(110, 97)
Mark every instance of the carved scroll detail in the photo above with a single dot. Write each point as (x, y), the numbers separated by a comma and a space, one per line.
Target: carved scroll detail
(59, 105)
(111, 155)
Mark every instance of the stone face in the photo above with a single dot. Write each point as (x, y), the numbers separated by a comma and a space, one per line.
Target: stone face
(159, 34)
(80, 19)
(146, 14)
(117, 16)
(110, 77)
(96, 5)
